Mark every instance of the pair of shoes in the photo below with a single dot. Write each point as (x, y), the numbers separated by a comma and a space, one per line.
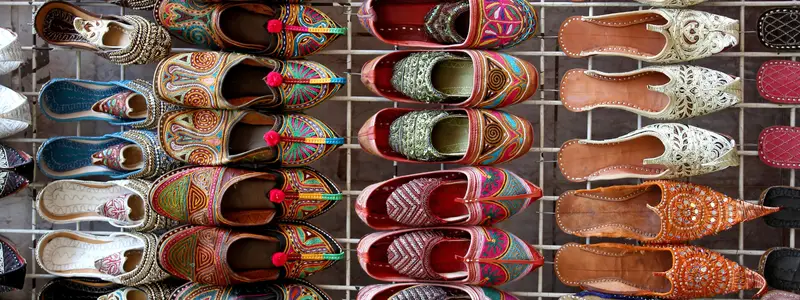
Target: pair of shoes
(208, 255)
(658, 151)
(16, 167)
(15, 112)
(461, 136)
(123, 40)
(656, 35)
(457, 78)
(427, 291)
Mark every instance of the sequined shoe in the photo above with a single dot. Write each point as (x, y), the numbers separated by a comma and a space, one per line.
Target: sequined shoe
(464, 196)
(218, 137)
(121, 103)
(286, 289)
(462, 78)
(282, 31)
(658, 151)
(219, 256)
(121, 203)
(76, 289)
(428, 291)
(472, 255)
(220, 196)
(129, 154)
(475, 24)
(461, 136)
(123, 40)
(126, 258)
(12, 269)
(656, 212)
(236, 81)
(669, 272)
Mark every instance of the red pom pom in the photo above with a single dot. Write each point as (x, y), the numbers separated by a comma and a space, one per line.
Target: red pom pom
(279, 259)
(272, 138)
(274, 79)
(274, 26)
(276, 195)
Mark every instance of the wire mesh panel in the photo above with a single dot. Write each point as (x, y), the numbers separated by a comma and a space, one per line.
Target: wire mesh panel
(352, 169)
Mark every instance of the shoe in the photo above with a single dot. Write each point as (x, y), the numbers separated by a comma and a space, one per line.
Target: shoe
(236, 81)
(659, 93)
(11, 158)
(120, 103)
(473, 24)
(430, 291)
(11, 55)
(11, 182)
(779, 266)
(777, 147)
(460, 136)
(228, 197)
(592, 295)
(219, 256)
(287, 289)
(281, 31)
(777, 29)
(668, 150)
(134, 4)
(780, 295)
(121, 203)
(656, 212)
(126, 258)
(459, 197)
(130, 154)
(671, 3)
(75, 289)
(458, 78)
(12, 270)
(123, 40)
(159, 290)
(471, 255)
(15, 112)
(669, 272)
(788, 199)
(218, 137)
(777, 81)
(656, 35)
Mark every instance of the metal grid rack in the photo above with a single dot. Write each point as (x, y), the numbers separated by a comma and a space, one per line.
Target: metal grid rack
(539, 166)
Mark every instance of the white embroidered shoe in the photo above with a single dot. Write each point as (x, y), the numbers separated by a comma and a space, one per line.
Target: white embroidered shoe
(15, 112)
(11, 55)
(657, 35)
(667, 150)
(671, 3)
(659, 92)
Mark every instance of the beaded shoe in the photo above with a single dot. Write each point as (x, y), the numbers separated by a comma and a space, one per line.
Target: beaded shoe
(429, 291)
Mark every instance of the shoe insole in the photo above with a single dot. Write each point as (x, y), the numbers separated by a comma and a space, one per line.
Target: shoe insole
(579, 162)
(450, 135)
(137, 208)
(454, 78)
(600, 266)
(402, 21)
(138, 107)
(246, 137)
(447, 258)
(248, 198)
(782, 269)
(586, 216)
(580, 91)
(442, 200)
(244, 26)
(244, 82)
(135, 295)
(788, 199)
(577, 35)
(251, 254)
(132, 259)
(133, 158)
(116, 37)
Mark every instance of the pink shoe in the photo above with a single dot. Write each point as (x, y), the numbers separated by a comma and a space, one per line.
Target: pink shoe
(415, 291)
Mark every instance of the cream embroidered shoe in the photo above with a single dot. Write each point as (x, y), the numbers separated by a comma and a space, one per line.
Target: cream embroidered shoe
(659, 92)
(667, 150)
(15, 112)
(656, 36)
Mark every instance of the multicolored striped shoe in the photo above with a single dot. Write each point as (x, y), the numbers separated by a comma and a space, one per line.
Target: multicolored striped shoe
(236, 81)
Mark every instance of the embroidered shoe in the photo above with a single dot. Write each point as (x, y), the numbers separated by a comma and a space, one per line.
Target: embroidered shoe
(123, 40)
(472, 255)
(776, 29)
(592, 295)
(220, 196)
(656, 212)
(656, 36)
(77, 289)
(123, 103)
(219, 256)
(287, 289)
(464, 196)
(779, 266)
(159, 290)
(668, 150)
(780, 295)
(12, 269)
(104, 156)
(671, 3)
(282, 31)
(11, 54)
(236, 81)
(483, 24)
(660, 92)
(15, 112)
(462, 136)
(463, 78)
(430, 291)
(218, 137)
(777, 147)
(669, 272)
(788, 199)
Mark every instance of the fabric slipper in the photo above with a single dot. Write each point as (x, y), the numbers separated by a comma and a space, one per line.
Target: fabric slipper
(777, 81)
(76, 289)
(777, 28)
(15, 112)
(788, 199)
(11, 55)
(780, 267)
(778, 145)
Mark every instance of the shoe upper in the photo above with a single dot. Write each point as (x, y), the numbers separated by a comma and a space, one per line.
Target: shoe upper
(15, 112)
(671, 3)
(281, 290)
(77, 289)
(158, 290)
(428, 291)
(286, 31)
(12, 271)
